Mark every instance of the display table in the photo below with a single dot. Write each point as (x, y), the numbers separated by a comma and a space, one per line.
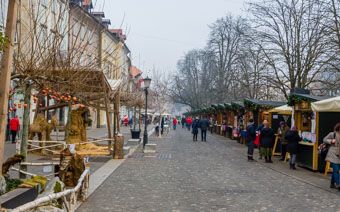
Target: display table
(307, 155)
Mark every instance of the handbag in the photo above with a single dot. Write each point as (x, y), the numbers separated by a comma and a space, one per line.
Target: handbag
(323, 149)
(257, 140)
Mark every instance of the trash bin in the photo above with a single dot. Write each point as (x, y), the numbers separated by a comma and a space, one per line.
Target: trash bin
(135, 134)
(118, 147)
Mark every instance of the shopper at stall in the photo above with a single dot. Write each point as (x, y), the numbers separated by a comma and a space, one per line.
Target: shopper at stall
(283, 129)
(195, 126)
(292, 137)
(267, 140)
(250, 138)
(14, 126)
(189, 122)
(333, 155)
(204, 124)
(258, 131)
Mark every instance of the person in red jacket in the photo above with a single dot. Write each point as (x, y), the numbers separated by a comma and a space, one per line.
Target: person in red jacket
(189, 122)
(14, 126)
(174, 121)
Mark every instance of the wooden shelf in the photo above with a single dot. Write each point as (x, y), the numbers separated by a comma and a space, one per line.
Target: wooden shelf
(307, 143)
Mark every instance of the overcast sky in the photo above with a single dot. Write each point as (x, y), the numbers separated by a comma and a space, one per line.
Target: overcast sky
(160, 32)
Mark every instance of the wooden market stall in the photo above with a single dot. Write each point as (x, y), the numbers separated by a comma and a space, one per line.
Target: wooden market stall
(307, 123)
(219, 117)
(258, 109)
(276, 115)
(327, 115)
(228, 119)
(238, 119)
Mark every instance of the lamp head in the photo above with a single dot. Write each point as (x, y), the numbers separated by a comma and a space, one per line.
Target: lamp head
(147, 82)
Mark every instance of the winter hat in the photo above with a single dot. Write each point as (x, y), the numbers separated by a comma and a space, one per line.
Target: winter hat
(293, 128)
(282, 122)
(251, 120)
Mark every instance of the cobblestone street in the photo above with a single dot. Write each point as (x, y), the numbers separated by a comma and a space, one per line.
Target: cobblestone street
(211, 176)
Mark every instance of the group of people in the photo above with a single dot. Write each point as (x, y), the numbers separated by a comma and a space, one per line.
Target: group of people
(290, 139)
(264, 137)
(195, 125)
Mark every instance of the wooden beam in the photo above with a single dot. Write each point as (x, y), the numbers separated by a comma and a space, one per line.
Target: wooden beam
(60, 105)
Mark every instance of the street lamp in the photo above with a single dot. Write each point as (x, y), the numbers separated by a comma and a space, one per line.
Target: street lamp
(147, 82)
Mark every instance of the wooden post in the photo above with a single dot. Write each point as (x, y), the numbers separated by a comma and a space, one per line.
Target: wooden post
(5, 76)
(108, 120)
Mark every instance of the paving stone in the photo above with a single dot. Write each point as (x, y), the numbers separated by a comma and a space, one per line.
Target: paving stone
(205, 176)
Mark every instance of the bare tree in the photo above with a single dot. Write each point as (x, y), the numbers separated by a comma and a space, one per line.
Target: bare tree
(292, 35)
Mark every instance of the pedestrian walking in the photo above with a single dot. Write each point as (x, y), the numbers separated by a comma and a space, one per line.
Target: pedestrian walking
(333, 155)
(184, 121)
(189, 123)
(204, 124)
(131, 122)
(267, 140)
(195, 126)
(126, 122)
(174, 121)
(258, 132)
(250, 138)
(292, 137)
(283, 129)
(14, 127)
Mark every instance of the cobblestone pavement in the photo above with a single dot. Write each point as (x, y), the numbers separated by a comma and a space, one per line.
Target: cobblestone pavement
(212, 176)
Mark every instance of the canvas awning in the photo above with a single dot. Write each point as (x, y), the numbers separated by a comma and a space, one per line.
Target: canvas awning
(284, 110)
(327, 105)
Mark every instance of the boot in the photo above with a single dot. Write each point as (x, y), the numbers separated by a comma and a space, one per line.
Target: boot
(266, 159)
(332, 185)
(290, 166)
(251, 159)
(293, 166)
(270, 160)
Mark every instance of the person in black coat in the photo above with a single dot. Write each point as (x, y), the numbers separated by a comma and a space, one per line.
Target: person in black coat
(250, 138)
(293, 139)
(267, 139)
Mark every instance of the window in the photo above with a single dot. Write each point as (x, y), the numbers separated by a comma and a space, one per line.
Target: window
(74, 59)
(89, 60)
(82, 32)
(89, 36)
(43, 36)
(44, 3)
(81, 59)
(95, 40)
(54, 6)
(52, 39)
(75, 27)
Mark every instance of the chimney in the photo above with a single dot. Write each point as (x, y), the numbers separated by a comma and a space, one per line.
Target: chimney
(98, 15)
(106, 22)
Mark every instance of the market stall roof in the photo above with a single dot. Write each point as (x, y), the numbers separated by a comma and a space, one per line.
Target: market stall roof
(284, 110)
(237, 104)
(327, 105)
(298, 97)
(263, 104)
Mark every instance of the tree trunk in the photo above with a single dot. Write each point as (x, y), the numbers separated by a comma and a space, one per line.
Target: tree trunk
(134, 117)
(139, 118)
(160, 126)
(68, 123)
(26, 119)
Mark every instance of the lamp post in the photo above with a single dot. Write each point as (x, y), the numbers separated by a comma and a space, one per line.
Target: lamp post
(147, 82)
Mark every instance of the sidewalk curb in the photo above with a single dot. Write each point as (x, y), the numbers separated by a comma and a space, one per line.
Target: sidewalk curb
(100, 176)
